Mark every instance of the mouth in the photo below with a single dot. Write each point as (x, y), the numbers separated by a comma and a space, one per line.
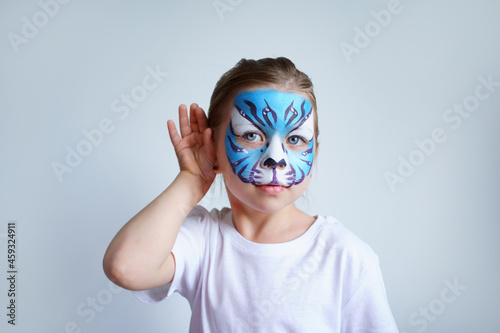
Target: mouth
(271, 189)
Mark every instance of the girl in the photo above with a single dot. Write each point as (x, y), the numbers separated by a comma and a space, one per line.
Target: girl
(262, 265)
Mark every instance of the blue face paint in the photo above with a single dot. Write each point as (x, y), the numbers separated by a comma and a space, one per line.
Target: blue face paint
(270, 137)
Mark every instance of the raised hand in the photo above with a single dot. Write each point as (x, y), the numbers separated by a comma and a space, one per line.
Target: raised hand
(195, 147)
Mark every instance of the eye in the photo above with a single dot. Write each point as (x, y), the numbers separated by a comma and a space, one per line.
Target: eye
(295, 140)
(251, 136)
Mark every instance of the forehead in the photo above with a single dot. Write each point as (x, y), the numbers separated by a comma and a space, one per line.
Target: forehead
(279, 101)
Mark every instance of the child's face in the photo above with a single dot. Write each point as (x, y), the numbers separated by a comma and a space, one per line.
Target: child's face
(270, 137)
(269, 143)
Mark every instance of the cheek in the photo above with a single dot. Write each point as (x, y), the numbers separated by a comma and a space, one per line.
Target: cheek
(303, 157)
(241, 158)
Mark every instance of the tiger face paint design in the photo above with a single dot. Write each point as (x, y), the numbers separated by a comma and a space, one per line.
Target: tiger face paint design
(270, 137)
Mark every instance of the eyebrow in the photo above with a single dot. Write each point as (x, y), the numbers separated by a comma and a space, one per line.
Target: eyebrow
(304, 118)
(244, 115)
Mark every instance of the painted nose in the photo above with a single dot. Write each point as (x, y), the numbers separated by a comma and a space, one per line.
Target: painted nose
(273, 164)
(275, 156)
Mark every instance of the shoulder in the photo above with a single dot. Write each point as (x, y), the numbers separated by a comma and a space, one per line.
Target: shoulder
(351, 253)
(354, 265)
(202, 219)
(200, 212)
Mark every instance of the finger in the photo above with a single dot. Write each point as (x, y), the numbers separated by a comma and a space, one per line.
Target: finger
(172, 132)
(193, 118)
(208, 143)
(202, 119)
(184, 121)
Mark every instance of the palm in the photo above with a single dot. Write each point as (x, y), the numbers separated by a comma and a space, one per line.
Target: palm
(194, 147)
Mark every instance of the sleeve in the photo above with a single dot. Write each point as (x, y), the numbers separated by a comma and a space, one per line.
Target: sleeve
(188, 251)
(367, 309)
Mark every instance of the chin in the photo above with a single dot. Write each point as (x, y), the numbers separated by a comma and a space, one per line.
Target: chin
(255, 198)
(262, 197)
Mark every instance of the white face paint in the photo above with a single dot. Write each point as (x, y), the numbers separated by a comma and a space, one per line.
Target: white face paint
(268, 141)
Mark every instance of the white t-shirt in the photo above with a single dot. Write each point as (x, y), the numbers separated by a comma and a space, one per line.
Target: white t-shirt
(326, 280)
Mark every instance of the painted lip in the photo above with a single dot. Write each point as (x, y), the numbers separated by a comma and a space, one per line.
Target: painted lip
(271, 189)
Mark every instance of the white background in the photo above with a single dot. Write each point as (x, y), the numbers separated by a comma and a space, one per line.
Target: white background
(439, 226)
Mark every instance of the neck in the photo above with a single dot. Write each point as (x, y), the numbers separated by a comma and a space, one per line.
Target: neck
(278, 226)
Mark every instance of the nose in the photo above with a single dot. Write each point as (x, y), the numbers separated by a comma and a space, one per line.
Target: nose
(273, 164)
(275, 156)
